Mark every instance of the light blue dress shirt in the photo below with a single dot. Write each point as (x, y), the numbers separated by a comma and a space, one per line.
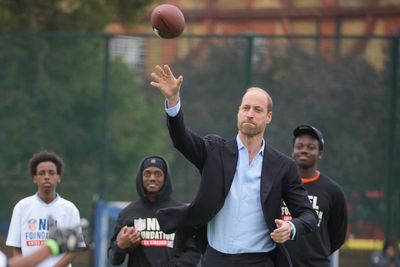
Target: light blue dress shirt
(240, 227)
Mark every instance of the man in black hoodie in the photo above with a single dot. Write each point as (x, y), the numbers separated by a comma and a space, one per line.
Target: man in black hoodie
(137, 232)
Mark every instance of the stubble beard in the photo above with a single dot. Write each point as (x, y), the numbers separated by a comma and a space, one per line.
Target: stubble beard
(249, 132)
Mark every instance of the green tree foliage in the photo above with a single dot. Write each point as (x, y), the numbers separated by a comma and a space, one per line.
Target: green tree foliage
(67, 15)
(51, 88)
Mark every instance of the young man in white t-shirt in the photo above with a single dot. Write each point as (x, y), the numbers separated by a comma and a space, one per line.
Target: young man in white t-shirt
(29, 227)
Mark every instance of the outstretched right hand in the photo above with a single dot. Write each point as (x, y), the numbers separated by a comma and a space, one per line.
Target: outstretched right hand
(164, 80)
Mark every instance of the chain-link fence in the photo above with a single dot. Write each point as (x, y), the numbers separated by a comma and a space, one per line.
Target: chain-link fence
(87, 97)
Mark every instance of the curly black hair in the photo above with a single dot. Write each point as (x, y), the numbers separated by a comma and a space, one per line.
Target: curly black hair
(43, 156)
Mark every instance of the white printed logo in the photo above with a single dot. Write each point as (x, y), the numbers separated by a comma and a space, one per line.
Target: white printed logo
(140, 224)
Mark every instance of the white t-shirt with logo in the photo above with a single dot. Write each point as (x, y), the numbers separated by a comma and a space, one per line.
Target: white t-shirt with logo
(29, 226)
(3, 260)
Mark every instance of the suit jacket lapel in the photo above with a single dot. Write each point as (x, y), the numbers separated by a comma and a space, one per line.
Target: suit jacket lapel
(229, 156)
(268, 172)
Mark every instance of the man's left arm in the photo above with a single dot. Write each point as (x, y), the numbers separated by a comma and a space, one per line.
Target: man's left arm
(337, 223)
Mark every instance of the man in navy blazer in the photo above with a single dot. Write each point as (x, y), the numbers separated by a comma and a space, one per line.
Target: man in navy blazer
(243, 180)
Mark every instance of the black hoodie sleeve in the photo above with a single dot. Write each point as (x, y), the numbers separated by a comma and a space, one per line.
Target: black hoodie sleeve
(116, 256)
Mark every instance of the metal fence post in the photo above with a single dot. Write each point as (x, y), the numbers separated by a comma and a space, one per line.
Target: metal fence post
(104, 160)
(390, 196)
(248, 79)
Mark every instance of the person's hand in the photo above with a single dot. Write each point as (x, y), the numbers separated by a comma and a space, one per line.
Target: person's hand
(164, 80)
(282, 232)
(128, 237)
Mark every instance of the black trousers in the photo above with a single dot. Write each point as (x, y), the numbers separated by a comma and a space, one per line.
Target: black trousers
(214, 258)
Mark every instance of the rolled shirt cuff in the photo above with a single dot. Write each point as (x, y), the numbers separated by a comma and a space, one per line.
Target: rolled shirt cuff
(172, 111)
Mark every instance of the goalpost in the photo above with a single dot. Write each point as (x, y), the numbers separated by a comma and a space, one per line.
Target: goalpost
(106, 214)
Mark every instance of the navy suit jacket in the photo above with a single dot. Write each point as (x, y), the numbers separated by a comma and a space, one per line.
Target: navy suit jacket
(216, 159)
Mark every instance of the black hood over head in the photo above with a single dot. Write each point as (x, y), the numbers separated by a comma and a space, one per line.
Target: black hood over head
(162, 164)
